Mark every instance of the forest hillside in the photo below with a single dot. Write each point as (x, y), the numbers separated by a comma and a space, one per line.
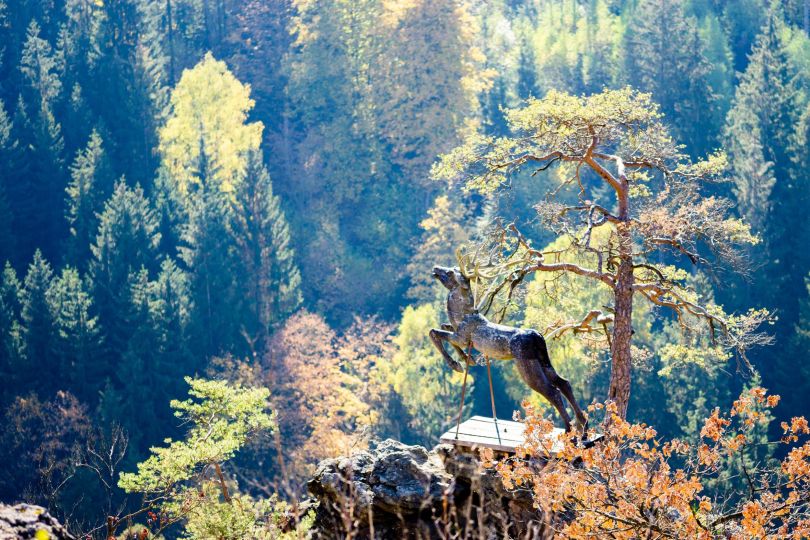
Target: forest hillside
(219, 222)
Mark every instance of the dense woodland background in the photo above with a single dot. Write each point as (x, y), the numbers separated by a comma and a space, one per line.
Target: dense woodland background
(242, 189)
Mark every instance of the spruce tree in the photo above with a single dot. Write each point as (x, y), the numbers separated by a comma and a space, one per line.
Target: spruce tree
(157, 355)
(134, 371)
(10, 344)
(759, 140)
(126, 241)
(91, 183)
(209, 253)
(665, 55)
(77, 335)
(267, 273)
(38, 331)
(40, 67)
(7, 150)
(40, 203)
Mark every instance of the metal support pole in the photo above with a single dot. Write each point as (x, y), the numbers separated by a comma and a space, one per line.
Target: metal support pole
(492, 399)
(463, 391)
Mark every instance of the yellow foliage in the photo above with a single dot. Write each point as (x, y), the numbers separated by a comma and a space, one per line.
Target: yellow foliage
(209, 112)
(428, 389)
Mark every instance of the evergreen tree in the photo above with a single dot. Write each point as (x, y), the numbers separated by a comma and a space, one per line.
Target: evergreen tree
(210, 255)
(126, 242)
(743, 22)
(8, 146)
(128, 102)
(157, 355)
(91, 183)
(40, 67)
(38, 331)
(37, 200)
(77, 334)
(10, 344)
(758, 133)
(665, 55)
(171, 313)
(267, 272)
(527, 85)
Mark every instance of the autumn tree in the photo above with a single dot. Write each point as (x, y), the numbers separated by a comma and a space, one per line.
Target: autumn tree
(636, 485)
(318, 400)
(209, 111)
(618, 169)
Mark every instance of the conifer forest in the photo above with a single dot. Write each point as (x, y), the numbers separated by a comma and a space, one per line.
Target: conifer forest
(219, 222)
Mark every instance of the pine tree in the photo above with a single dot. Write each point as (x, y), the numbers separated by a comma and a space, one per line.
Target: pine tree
(91, 183)
(77, 335)
(267, 272)
(38, 332)
(127, 241)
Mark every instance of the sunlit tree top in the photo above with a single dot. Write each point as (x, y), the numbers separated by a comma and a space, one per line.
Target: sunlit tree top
(209, 112)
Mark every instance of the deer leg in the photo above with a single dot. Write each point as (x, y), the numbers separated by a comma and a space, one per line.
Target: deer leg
(438, 337)
(464, 356)
(565, 387)
(555, 398)
(534, 376)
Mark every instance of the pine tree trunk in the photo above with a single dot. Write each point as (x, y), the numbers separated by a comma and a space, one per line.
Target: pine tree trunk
(619, 391)
(621, 359)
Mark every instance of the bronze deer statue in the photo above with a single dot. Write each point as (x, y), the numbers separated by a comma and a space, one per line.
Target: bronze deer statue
(469, 329)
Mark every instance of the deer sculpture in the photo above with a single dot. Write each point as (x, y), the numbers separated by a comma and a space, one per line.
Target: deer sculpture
(469, 329)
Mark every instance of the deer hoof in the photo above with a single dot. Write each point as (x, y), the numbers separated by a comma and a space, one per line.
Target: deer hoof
(455, 366)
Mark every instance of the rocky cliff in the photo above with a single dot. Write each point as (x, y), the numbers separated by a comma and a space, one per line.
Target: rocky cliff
(23, 521)
(398, 491)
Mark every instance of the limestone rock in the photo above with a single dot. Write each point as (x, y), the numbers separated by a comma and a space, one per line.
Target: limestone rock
(29, 521)
(398, 491)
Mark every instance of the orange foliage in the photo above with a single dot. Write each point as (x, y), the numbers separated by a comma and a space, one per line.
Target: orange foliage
(633, 485)
(319, 402)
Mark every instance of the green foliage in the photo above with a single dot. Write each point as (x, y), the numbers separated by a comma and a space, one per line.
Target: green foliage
(262, 237)
(126, 241)
(195, 252)
(665, 55)
(244, 517)
(40, 67)
(10, 338)
(221, 417)
(78, 333)
(91, 182)
(38, 329)
(428, 389)
(176, 480)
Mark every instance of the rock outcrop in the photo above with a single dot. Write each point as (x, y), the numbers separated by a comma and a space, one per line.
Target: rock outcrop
(398, 491)
(30, 521)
